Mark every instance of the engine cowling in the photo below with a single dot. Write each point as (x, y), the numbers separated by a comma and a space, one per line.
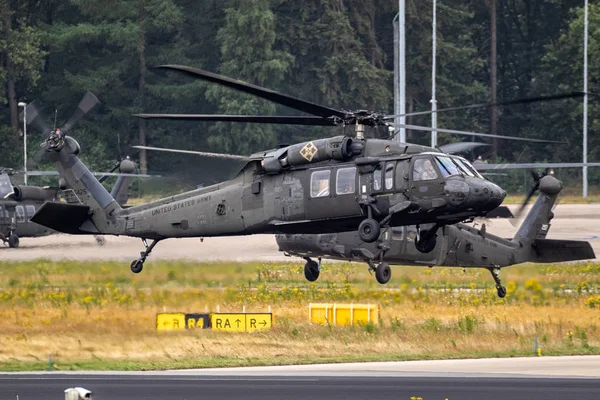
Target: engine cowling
(339, 148)
(33, 193)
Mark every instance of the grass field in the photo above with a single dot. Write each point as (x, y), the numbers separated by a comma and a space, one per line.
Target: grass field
(99, 315)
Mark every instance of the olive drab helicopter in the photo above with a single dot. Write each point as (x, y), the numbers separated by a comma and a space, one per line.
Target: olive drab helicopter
(326, 185)
(458, 245)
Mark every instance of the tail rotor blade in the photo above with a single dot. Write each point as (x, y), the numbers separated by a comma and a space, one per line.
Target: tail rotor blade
(36, 118)
(86, 104)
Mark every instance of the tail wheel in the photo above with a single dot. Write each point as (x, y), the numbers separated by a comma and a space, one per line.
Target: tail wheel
(137, 266)
(369, 230)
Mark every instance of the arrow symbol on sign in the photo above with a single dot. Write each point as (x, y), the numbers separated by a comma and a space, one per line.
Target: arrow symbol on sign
(264, 323)
(237, 321)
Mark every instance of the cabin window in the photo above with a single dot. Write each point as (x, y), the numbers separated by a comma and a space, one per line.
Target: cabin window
(30, 211)
(423, 170)
(20, 213)
(345, 181)
(389, 176)
(319, 183)
(377, 178)
(398, 233)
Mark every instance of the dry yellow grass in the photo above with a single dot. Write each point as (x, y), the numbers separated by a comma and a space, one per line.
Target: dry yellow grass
(92, 315)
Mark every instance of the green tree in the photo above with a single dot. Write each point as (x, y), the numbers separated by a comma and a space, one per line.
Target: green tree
(248, 53)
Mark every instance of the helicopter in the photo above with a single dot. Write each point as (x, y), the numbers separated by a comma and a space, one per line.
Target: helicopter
(458, 245)
(319, 186)
(18, 203)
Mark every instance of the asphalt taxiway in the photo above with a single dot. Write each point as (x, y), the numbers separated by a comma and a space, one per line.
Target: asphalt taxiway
(517, 378)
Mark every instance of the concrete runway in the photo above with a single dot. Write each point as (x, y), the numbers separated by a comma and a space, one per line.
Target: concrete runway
(517, 378)
(572, 221)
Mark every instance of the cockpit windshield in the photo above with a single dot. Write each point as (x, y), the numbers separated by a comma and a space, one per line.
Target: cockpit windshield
(5, 185)
(467, 167)
(446, 166)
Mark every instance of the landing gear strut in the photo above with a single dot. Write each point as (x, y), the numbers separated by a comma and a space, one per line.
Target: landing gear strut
(312, 269)
(501, 289)
(138, 265)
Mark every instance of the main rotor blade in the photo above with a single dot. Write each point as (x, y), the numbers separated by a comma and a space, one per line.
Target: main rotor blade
(267, 94)
(453, 148)
(260, 119)
(86, 104)
(200, 153)
(428, 129)
(52, 173)
(500, 103)
(480, 166)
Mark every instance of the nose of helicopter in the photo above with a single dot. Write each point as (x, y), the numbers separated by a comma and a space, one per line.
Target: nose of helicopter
(486, 194)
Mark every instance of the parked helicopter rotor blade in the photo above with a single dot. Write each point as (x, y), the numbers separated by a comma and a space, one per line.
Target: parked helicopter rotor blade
(428, 129)
(525, 100)
(87, 103)
(201, 153)
(262, 119)
(460, 147)
(267, 94)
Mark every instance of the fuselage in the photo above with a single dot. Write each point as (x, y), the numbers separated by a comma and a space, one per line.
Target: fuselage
(322, 197)
(457, 245)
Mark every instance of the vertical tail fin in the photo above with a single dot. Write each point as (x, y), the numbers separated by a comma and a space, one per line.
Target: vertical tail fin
(537, 221)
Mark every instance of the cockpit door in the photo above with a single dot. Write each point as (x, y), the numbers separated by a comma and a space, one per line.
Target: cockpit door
(426, 181)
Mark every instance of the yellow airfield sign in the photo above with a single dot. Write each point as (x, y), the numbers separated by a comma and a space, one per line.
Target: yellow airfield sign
(241, 322)
(181, 321)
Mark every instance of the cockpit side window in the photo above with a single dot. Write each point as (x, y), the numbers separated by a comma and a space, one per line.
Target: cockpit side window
(319, 183)
(423, 170)
(389, 176)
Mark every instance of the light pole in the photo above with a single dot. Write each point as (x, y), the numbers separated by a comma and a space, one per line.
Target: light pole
(24, 105)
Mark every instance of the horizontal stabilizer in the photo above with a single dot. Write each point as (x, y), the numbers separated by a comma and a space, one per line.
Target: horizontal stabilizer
(500, 212)
(62, 217)
(555, 250)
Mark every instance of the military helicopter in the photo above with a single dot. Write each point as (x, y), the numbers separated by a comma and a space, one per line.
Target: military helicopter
(458, 245)
(18, 203)
(319, 186)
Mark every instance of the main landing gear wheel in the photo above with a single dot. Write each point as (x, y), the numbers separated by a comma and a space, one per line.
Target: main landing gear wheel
(13, 241)
(311, 270)
(369, 230)
(137, 266)
(501, 289)
(426, 244)
(383, 273)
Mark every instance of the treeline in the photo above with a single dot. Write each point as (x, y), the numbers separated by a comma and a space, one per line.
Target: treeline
(334, 52)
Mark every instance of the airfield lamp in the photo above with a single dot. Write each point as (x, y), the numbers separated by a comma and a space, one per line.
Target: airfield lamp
(24, 105)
